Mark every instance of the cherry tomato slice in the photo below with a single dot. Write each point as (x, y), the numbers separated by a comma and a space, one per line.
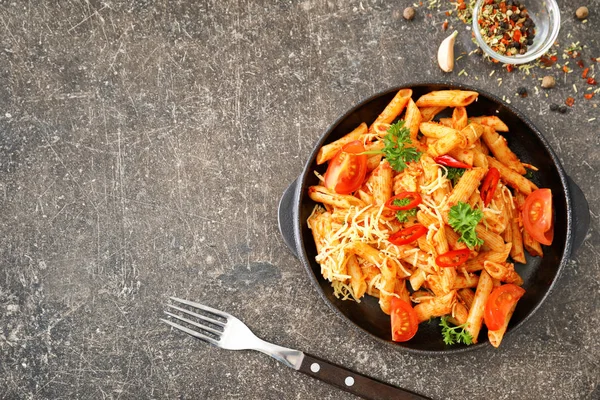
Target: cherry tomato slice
(449, 161)
(408, 235)
(405, 322)
(415, 201)
(489, 185)
(347, 170)
(500, 303)
(537, 216)
(453, 258)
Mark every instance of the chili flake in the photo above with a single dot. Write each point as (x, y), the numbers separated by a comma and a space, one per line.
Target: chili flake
(506, 26)
(588, 96)
(584, 73)
(570, 101)
(591, 81)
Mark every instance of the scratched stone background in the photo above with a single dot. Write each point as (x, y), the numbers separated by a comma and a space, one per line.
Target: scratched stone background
(144, 146)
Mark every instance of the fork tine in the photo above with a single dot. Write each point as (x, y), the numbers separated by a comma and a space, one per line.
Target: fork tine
(202, 307)
(196, 324)
(202, 317)
(191, 332)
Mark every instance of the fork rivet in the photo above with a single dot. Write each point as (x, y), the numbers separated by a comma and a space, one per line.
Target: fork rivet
(349, 381)
(314, 367)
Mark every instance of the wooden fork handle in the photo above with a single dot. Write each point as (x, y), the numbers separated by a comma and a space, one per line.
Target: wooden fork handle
(354, 382)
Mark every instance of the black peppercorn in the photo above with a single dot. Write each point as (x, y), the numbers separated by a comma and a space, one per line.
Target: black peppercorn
(529, 42)
(563, 109)
(554, 107)
(514, 17)
(522, 91)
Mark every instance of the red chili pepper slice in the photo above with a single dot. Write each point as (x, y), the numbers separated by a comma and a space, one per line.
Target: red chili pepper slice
(415, 201)
(449, 161)
(488, 187)
(408, 235)
(453, 258)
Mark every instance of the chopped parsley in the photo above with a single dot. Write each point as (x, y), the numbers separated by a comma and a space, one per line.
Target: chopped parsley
(403, 215)
(395, 150)
(528, 174)
(463, 219)
(454, 174)
(457, 334)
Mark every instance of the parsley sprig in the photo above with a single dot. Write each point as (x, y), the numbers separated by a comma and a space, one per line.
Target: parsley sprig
(403, 215)
(456, 334)
(395, 149)
(463, 219)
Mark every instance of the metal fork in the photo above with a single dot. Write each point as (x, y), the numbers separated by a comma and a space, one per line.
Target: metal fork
(226, 331)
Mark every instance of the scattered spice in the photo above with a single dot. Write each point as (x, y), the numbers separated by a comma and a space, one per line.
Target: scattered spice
(510, 67)
(548, 82)
(591, 81)
(584, 73)
(409, 13)
(582, 12)
(522, 91)
(553, 107)
(588, 96)
(563, 109)
(570, 101)
(445, 25)
(580, 63)
(506, 27)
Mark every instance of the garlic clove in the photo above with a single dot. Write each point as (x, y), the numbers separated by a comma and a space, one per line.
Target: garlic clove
(446, 53)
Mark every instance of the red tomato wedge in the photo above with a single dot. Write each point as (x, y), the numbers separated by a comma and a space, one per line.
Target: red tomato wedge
(537, 216)
(449, 161)
(347, 170)
(408, 235)
(404, 321)
(415, 201)
(500, 303)
(489, 185)
(453, 258)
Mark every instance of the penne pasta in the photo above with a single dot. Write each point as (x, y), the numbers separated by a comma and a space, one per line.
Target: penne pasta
(504, 272)
(511, 177)
(447, 98)
(380, 182)
(328, 151)
(357, 279)
(491, 121)
(499, 148)
(435, 130)
(428, 113)
(475, 318)
(323, 195)
(413, 120)
(394, 108)
(459, 118)
(436, 307)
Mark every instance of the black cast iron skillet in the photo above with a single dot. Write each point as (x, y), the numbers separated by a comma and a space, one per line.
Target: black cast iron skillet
(539, 274)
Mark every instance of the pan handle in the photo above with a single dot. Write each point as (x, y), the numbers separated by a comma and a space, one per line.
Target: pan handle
(581, 214)
(285, 216)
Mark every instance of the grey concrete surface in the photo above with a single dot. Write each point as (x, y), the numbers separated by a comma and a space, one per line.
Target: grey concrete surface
(144, 146)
